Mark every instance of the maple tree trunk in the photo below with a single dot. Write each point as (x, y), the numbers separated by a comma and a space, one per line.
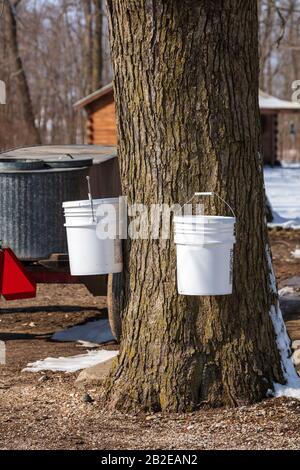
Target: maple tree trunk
(186, 91)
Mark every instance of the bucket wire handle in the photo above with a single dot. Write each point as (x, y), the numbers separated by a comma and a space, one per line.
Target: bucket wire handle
(90, 197)
(211, 194)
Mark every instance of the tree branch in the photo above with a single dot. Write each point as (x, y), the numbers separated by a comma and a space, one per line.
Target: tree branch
(282, 20)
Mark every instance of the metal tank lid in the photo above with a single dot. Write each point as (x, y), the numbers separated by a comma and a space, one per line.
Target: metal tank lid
(11, 164)
(63, 162)
(15, 164)
(98, 153)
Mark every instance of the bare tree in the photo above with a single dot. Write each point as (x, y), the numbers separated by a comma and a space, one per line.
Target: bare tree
(18, 72)
(98, 45)
(65, 55)
(88, 44)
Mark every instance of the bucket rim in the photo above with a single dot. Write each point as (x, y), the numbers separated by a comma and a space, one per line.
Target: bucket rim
(205, 243)
(80, 225)
(203, 232)
(188, 219)
(87, 202)
(85, 223)
(77, 211)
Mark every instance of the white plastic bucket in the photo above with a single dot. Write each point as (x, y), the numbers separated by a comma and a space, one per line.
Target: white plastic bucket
(89, 254)
(204, 248)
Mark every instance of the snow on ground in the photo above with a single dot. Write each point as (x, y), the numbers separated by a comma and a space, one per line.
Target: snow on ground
(291, 388)
(89, 334)
(296, 253)
(98, 332)
(283, 190)
(72, 363)
(286, 291)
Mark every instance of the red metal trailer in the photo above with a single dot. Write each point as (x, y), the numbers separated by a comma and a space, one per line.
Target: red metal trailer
(105, 182)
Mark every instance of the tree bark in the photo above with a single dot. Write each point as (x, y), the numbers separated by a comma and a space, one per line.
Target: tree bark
(33, 136)
(186, 90)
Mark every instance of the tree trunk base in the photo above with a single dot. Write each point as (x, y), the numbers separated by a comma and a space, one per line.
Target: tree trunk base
(186, 91)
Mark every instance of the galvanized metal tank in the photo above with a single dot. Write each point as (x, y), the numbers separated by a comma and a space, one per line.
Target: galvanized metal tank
(31, 218)
(34, 182)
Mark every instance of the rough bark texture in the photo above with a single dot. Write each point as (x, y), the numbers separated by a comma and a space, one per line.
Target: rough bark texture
(186, 88)
(114, 303)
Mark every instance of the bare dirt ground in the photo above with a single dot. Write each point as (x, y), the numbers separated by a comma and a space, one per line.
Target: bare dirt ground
(46, 410)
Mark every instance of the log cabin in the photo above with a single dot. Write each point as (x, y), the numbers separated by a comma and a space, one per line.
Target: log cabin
(101, 119)
(271, 110)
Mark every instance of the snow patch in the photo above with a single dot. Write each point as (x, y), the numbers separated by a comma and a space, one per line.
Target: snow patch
(267, 101)
(296, 253)
(93, 332)
(283, 190)
(285, 291)
(279, 221)
(292, 386)
(72, 363)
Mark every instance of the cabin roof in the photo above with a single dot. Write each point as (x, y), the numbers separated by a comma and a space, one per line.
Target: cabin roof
(271, 103)
(94, 96)
(266, 102)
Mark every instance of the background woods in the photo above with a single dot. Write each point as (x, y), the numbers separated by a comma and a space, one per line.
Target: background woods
(279, 39)
(54, 52)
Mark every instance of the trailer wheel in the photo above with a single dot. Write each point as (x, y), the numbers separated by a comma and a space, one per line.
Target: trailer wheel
(114, 291)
